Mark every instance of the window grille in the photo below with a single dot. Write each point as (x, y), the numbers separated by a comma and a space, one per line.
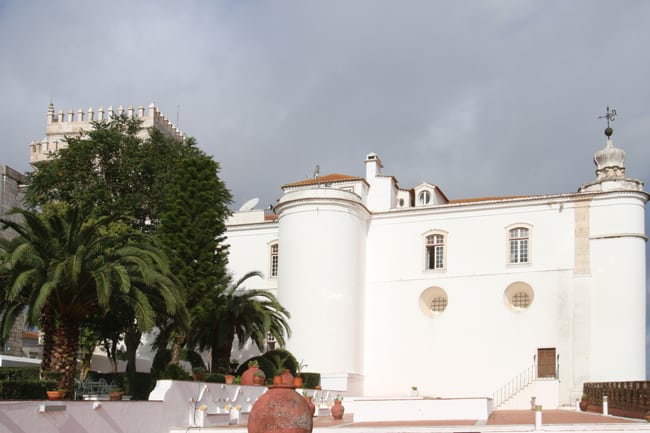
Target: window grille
(274, 260)
(438, 304)
(521, 300)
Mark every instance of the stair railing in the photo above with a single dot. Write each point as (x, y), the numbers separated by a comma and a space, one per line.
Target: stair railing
(514, 385)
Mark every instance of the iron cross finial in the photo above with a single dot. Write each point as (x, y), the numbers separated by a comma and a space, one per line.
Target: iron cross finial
(609, 116)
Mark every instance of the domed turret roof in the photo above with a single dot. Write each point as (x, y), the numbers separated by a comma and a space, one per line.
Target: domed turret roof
(610, 166)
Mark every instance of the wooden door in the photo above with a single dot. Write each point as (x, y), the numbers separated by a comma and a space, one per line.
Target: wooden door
(546, 362)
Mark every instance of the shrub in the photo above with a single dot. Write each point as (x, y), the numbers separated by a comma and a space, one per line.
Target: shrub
(175, 372)
(215, 378)
(264, 364)
(19, 373)
(310, 380)
(25, 390)
(280, 358)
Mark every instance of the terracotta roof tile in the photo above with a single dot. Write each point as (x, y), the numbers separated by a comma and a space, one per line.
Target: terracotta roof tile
(328, 178)
(472, 200)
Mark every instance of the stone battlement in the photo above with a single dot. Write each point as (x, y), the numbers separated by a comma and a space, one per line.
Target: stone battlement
(61, 125)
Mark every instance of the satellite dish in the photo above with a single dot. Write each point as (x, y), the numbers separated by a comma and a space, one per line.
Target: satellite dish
(249, 205)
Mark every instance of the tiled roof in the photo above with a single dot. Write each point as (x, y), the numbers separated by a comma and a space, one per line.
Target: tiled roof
(328, 178)
(472, 200)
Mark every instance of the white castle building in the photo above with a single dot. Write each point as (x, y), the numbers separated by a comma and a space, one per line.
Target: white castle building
(503, 297)
(60, 126)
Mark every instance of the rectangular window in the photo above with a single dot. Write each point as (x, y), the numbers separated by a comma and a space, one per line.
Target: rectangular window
(519, 245)
(274, 260)
(435, 251)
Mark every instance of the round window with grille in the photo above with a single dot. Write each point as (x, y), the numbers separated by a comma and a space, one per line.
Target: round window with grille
(433, 301)
(519, 296)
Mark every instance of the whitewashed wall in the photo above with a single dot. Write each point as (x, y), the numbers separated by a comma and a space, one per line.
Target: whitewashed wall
(358, 276)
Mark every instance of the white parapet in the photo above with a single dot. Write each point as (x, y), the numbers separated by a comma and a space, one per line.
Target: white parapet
(421, 409)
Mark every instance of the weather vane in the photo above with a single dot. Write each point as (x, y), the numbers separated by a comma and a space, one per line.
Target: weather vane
(610, 118)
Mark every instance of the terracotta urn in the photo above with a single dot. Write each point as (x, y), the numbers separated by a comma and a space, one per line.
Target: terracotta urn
(280, 410)
(259, 378)
(115, 395)
(229, 378)
(297, 381)
(337, 410)
(584, 405)
(55, 395)
(248, 376)
(286, 378)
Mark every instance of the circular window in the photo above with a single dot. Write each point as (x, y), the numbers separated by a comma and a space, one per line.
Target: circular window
(433, 301)
(519, 296)
(424, 197)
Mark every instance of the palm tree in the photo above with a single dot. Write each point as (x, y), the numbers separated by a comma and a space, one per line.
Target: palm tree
(66, 266)
(245, 313)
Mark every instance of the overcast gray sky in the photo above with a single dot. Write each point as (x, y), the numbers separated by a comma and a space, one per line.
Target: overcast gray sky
(482, 98)
(478, 97)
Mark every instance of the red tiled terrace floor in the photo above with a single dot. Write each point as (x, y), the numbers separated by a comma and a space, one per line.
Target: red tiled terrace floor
(498, 417)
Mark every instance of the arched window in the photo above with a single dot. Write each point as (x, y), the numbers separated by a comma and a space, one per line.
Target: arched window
(424, 197)
(435, 251)
(518, 239)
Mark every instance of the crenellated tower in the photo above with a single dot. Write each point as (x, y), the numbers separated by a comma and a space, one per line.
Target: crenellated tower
(61, 125)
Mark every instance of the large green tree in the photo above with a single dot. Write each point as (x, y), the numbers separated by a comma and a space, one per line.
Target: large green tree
(192, 228)
(110, 170)
(67, 266)
(248, 314)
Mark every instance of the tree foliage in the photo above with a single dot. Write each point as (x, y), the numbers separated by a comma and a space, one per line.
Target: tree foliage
(111, 170)
(192, 227)
(245, 314)
(67, 266)
(171, 189)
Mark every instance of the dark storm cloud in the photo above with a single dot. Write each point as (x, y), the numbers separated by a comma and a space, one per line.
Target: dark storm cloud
(462, 94)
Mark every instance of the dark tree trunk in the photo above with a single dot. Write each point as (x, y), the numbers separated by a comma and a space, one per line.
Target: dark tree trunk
(47, 325)
(177, 343)
(132, 341)
(220, 355)
(64, 359)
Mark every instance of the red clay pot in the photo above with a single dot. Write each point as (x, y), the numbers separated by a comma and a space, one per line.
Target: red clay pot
(248, 376)
(280, 410)
(337, 410)
(297, 381)
(287, 378)
(55, 395)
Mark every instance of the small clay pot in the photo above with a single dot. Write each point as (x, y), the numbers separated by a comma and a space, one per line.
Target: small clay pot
(337, 410)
